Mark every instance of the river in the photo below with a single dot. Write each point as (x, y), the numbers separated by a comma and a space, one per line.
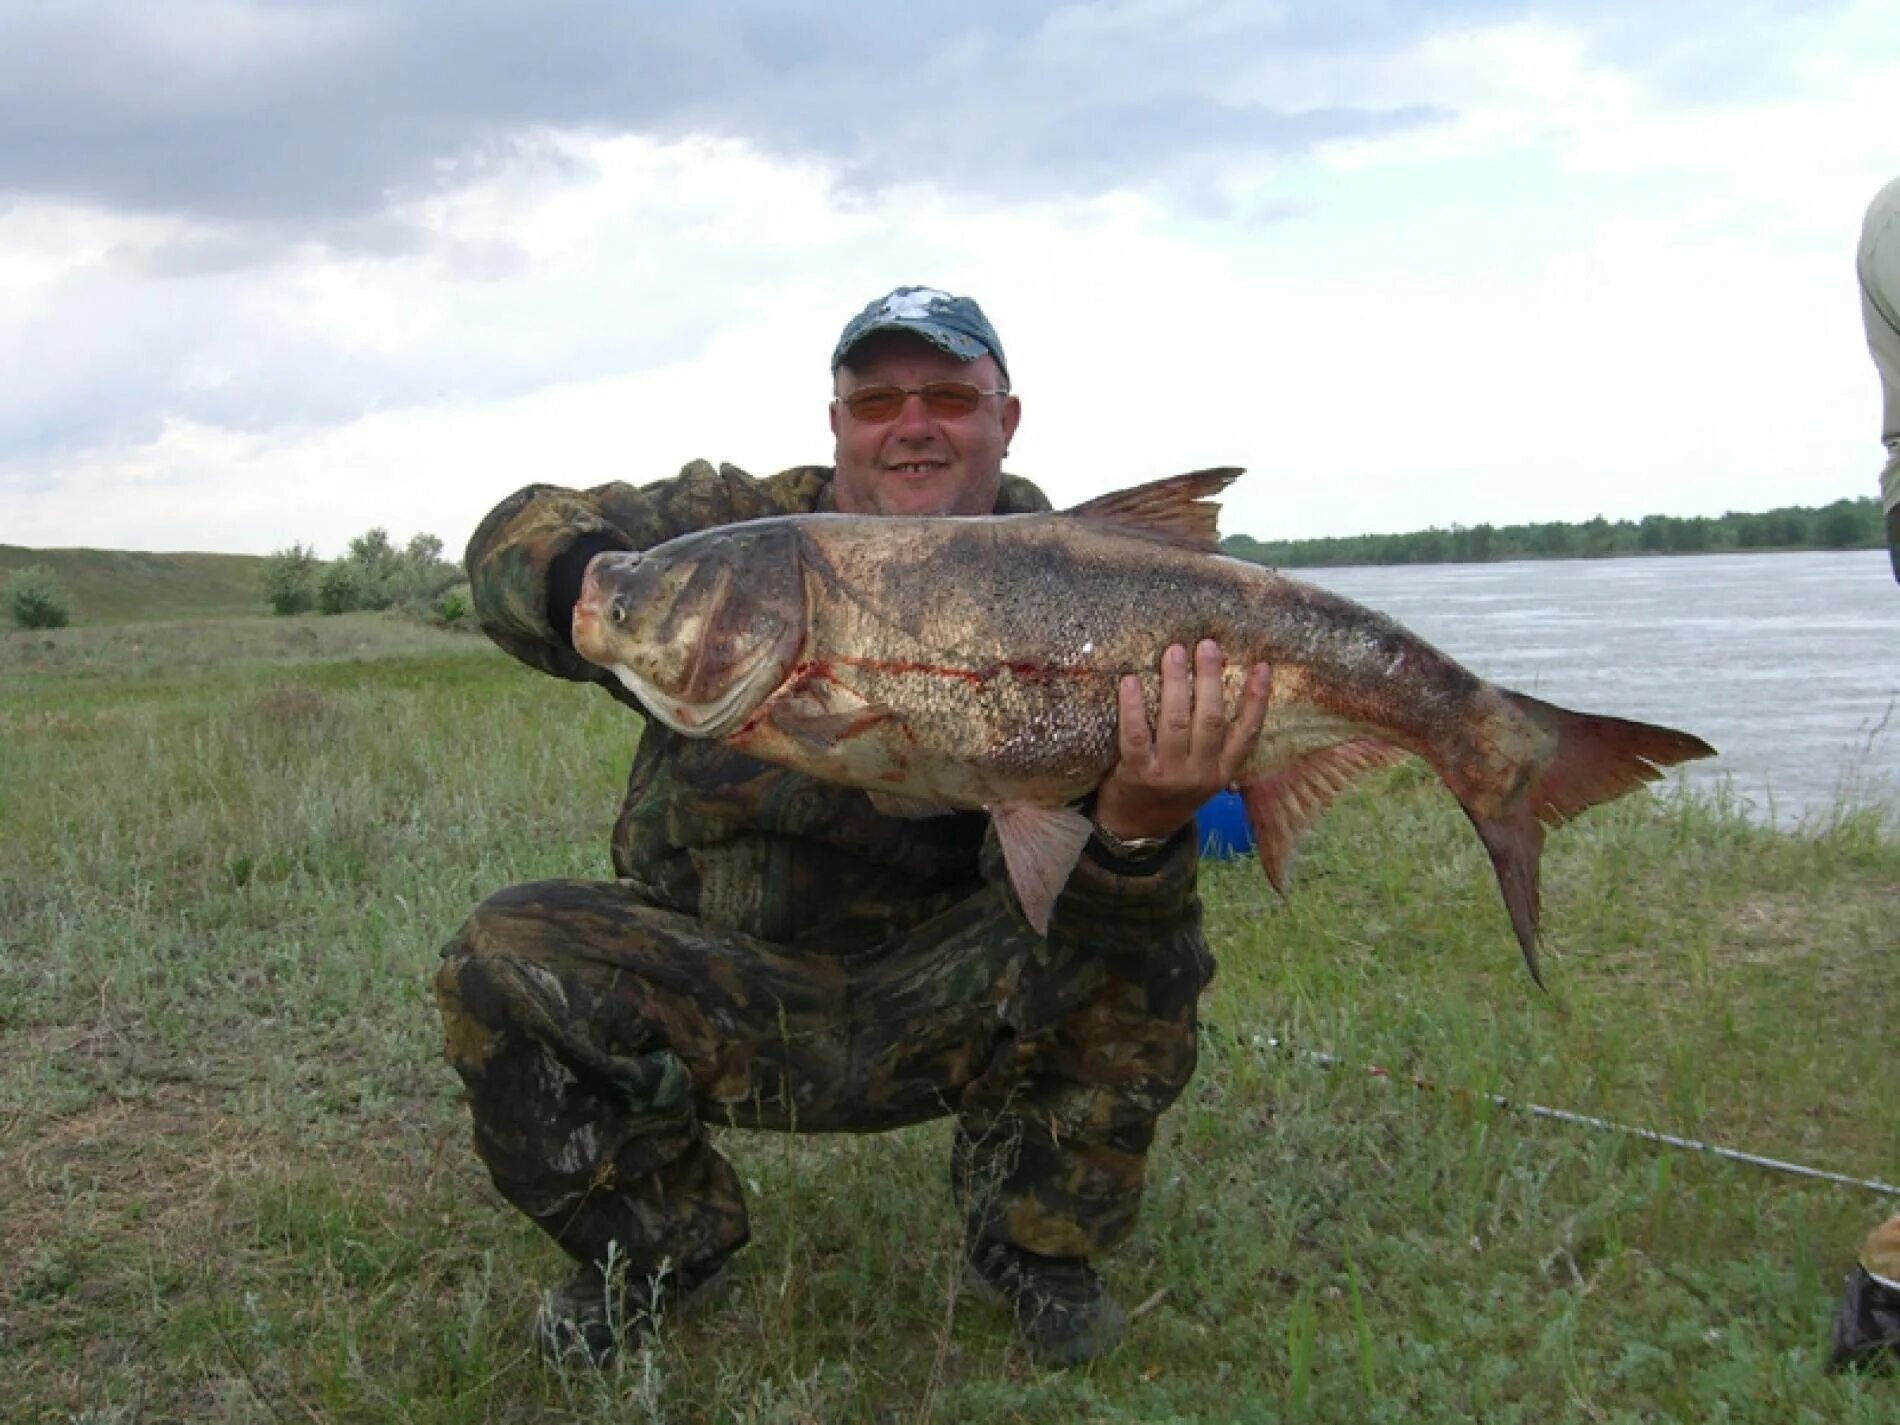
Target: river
(1788, 663)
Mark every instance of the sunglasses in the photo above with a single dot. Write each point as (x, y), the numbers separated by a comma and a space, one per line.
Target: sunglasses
(943, 400)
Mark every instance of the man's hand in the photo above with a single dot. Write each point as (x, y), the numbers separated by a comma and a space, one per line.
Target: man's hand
(1192, 752)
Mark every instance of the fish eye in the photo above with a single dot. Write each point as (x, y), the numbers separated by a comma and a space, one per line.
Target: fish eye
(617, 610)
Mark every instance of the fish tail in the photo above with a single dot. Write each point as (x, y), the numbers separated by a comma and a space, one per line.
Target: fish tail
(1516, 845)
(1598, 758)
(1595, 759)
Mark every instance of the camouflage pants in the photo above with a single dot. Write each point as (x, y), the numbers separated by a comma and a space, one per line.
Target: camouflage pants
(597, 1035)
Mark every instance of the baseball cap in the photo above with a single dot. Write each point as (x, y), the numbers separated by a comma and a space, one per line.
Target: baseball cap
(953, 324)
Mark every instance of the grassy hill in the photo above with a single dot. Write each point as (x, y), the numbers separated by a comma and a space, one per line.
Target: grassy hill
(124, 586)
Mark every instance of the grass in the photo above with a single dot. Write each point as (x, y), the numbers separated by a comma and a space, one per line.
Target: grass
(235, 1181)
(125, 586)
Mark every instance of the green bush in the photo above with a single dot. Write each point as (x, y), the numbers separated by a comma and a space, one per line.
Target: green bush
(36, 598)
(374, 574)
(290, 580)
(377, 566)
(455, 606)
(371, 574)
(340, 590)
(423, 579)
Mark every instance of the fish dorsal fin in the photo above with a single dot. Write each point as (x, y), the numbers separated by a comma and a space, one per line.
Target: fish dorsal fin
(1177, 510)
(1040, 847)
(1282, 804)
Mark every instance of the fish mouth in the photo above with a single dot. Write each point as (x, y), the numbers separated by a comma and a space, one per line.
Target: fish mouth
(596, 609)
(747, 686)
(715, 718)
(706, 632)
(584, 631)
(710, 720)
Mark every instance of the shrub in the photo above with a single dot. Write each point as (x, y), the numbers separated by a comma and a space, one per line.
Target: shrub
(376, 566)
(290, 580)
(36, 598)
(455, 606)
(340, 590)
(422, 579)
(371, 574)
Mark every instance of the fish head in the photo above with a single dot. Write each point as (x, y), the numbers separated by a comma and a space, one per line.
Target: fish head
(700, 629)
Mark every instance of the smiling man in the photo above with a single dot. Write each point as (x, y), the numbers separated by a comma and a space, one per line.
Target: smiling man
(776, 953)
(921, 424)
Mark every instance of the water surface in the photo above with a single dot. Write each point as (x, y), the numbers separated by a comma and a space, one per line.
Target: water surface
(1788, 663)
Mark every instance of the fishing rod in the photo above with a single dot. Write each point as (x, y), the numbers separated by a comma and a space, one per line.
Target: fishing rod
(1566, 1115)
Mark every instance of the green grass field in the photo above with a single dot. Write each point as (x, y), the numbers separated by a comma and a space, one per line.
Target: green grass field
(125, 586)
(236, 1183)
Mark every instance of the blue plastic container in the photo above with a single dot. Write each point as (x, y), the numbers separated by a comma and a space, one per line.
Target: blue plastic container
(1222, 826)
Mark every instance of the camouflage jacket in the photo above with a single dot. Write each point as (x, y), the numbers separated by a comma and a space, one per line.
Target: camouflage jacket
(737, 842)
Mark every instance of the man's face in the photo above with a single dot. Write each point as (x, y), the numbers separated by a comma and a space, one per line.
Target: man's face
(920, 464)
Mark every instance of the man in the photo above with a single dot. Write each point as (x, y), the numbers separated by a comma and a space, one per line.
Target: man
(778, 954)
(1867, 1327)
(1878, 264)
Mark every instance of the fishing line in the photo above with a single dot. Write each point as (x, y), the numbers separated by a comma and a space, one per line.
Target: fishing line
(1567, 1115)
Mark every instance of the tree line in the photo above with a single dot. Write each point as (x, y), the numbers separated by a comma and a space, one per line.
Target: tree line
(374, 574)
(1845, 524)
(371, 574)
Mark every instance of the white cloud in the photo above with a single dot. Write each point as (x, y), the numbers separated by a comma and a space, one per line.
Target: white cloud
(1575, 294)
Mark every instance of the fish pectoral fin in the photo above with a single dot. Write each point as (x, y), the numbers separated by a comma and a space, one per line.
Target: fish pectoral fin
(1040, 847)
(822, 728)
(909, 808)
(1175, 510)
(1283, 803)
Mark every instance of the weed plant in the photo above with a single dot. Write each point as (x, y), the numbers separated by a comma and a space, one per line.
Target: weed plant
(236, 1184)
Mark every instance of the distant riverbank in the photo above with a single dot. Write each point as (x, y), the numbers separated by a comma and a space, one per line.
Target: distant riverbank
(1843, 525)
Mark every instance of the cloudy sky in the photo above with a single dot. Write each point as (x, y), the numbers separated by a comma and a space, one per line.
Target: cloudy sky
(276, 272)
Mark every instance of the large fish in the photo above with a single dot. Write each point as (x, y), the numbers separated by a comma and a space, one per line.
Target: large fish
(965, 663)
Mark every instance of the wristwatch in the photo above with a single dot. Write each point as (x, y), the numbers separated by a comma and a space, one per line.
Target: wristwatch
(1129, 848)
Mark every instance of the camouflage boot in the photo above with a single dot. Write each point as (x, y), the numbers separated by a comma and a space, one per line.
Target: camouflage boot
(588, 1318)
(1063, 1310)
(1867, 1329)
